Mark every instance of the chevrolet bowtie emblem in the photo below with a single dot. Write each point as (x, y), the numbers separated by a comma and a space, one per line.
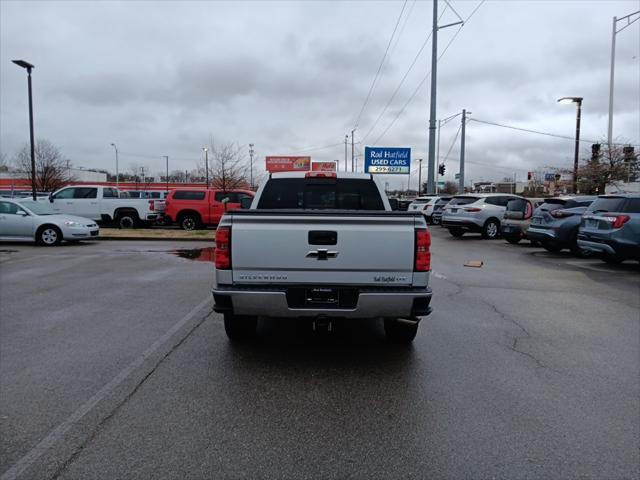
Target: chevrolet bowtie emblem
(322, 254)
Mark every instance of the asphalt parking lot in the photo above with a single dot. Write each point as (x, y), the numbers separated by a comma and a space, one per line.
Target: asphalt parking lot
(112, 365)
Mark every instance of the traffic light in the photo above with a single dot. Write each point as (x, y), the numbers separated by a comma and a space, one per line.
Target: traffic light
(628, 153)
(529, 176)
(441, 169)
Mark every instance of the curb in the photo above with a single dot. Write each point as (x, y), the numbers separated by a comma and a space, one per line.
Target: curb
(156, 239)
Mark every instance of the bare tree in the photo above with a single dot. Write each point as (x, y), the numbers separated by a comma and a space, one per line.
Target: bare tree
(450, 188)
(228, 167)
(3, 162)
(52, 170)
(609, 165)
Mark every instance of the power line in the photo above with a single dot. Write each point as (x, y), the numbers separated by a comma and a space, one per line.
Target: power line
(452, 144)
(375, 79)
(528, 130)
(415, 92)
(415, 59)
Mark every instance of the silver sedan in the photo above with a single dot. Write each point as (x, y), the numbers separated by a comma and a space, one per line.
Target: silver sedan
(26, 220)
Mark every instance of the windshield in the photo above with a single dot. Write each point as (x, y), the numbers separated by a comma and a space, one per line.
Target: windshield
(39, 208)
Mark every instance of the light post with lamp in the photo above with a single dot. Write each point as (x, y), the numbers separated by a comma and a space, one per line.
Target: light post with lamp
(578, 102)
(29, 67)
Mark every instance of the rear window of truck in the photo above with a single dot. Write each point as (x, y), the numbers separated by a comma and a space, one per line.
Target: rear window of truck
(321, 194)
(189, 195)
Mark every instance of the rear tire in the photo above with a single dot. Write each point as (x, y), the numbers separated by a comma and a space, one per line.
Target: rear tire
(127, 220)
(551, 247)
(240, 328)
(512, 239)
(612, 259)
(491, 229)
(189, 221)
(398, 331)
(456, 232)
(49, 236)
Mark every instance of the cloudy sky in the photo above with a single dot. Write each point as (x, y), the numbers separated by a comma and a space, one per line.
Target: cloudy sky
(163, 78)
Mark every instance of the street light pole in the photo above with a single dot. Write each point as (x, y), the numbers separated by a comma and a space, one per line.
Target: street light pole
(166, 157)
(462, 141)
(29, 67)
(251, 165)
(117, 174)
(206, 164)
(614, 32)
(419, 176)
(346, 139)
(352, 150)
(578, 102)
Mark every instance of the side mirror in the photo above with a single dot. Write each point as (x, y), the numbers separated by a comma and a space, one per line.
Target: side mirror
(51, 197)
(22, 213)
(245, 203)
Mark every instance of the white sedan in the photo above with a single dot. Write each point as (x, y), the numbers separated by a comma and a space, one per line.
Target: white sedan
(26, 220)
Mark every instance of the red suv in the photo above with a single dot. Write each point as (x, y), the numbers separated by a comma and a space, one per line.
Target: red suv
(193, 209)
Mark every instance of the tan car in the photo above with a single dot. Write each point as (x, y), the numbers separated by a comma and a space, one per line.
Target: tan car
(517, 218)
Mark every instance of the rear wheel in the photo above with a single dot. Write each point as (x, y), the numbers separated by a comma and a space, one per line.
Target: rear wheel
(49, 236)
(456, 232)
(189, 221)
(491, 229)
(512, 239)
(551, 247)
(240, 328)
(127, 219)
(612, 259)
(399, 330)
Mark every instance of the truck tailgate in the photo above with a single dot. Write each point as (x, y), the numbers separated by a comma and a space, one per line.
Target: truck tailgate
(329, 248)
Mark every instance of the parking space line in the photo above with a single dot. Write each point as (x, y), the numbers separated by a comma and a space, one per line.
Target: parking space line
(164, 344)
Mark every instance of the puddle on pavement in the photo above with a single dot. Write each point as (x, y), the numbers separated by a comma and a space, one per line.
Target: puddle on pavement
(199, 254)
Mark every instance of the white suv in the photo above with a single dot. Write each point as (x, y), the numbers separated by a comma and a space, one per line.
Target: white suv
(480, 213)
(425, 204)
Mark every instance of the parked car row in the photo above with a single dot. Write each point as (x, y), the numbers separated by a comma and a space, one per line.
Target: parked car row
(607, 226)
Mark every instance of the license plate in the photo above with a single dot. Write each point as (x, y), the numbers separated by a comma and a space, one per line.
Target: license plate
(94, 233)
(321, 296)
(507, 229)
(454, 210)
(536, 221)
(590, 222)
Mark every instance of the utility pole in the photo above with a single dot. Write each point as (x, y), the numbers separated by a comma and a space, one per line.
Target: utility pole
(432, 111)
(352, 150)
(142, 172)
(346, 138)
(419, 176)
(464, 121)
(166, 157)
(251, 164)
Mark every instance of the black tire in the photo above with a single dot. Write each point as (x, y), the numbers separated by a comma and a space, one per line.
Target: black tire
(48, 236)
(127, 220)
(189, 221)
(456, 232)
(612, 259)
(240, 328)
(512, 239)
(551, 247)
(491, 229)
(398, 331)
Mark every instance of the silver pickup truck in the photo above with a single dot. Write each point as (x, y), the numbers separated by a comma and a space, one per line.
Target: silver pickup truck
(322, 246)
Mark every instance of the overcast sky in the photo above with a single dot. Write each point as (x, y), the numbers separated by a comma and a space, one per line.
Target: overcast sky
(162, 78)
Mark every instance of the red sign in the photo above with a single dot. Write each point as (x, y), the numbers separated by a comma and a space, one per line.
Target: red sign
(323, 166)
(288, 164)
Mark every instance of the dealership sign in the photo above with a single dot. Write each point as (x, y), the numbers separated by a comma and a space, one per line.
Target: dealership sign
(387, 160)
(288, 164)
(323, 166)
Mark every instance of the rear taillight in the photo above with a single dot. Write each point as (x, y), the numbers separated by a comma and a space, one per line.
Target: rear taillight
(473, 209)
(223, 248)
(422, 253)
(152, 205)
(559, 214)
(617, 220)
(528, 213)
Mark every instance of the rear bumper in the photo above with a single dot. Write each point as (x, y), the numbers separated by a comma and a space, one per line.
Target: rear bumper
(609, 246)
(368, 303)
(468, 225)
(512, 231)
